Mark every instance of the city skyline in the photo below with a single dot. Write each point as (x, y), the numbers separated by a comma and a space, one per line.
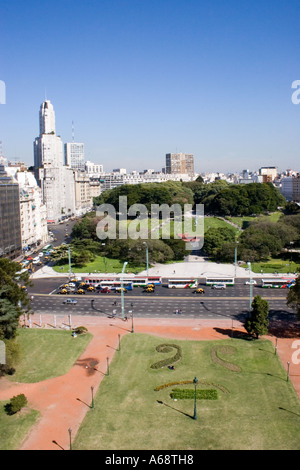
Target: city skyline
(142, 80)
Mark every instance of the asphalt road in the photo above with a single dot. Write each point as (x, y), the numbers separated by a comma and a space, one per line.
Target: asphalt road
(233, 302)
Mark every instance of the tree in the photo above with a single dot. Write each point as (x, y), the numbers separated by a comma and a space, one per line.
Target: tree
(258, 322)
(13, 297)
(293, 297)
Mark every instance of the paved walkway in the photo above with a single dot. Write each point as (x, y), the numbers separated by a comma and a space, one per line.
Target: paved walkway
(64, 401)
(195, 267)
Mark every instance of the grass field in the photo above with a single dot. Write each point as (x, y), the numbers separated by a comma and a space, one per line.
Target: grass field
(47, 353)
(13, 429)
(274, 266)
(256, 408)
(101, 264)
(273, 217)
(44, 354)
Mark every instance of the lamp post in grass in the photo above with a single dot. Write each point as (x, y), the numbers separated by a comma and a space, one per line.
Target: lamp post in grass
(70, 436)
(92, 390)
(132, 329)
(195, 381)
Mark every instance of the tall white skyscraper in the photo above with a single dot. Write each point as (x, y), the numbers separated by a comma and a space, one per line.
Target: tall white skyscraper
(55, 179)
(47, 118)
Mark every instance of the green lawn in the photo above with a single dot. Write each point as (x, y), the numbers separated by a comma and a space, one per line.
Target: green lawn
(274, 266)
(13, 429)
(273, 217)
(256, 408)
(101, 264)
(47, 353)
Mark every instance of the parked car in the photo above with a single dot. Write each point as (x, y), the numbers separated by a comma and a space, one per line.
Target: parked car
(80, 291)
(105, 290)
(70, 301)
(149, 289)
(218, 286)
(250, 282)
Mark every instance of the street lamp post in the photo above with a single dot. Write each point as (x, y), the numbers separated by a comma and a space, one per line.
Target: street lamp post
(92, 390)
(235, 257)
(70, 269)
(195, 381)
(251, 285)
(147, 258)
(103, 244)
(70, 437)
(122, 293)
(132, 329)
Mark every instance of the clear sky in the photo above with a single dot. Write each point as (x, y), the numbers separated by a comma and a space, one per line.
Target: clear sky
(142, 78)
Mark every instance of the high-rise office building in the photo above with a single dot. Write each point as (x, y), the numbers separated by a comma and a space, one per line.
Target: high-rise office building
(74, 155)
(55, 179)
(180, 163)
(10, 226)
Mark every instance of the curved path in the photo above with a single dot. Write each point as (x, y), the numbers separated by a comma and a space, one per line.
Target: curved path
(63, 401)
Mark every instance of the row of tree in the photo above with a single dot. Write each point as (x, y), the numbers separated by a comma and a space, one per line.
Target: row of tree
(261, 240)
(225, 199)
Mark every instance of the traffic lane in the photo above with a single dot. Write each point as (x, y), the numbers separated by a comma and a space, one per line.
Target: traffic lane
(237, 290)
(159, 307)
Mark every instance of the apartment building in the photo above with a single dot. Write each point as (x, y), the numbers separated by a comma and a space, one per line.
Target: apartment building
(10, 227)
(180, 163)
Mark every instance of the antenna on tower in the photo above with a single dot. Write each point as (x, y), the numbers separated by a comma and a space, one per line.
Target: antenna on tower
(73, 137)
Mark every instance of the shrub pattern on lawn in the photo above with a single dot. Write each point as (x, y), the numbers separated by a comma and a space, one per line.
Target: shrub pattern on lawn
(188, 382)
(167, 348)
(188, 394)
(216, 350)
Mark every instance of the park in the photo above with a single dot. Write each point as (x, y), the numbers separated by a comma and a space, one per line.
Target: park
(113, 389)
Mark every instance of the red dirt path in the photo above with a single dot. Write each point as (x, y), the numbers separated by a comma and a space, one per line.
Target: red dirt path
(63, 401)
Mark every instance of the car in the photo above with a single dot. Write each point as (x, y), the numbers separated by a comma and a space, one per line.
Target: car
(149, 289)
(105, 290)
(71, 284)
(91, 289)
(218, 286)
(70, 301)
(80, 291)
(63, 291)
(120, 289)
(199, 291)
(250, 282)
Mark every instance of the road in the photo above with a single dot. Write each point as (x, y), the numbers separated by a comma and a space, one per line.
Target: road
(233, 302)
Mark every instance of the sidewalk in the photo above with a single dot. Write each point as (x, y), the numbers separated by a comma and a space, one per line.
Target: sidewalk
(196, 268)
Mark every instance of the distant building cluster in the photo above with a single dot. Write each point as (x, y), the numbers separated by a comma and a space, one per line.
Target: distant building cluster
(62, 184)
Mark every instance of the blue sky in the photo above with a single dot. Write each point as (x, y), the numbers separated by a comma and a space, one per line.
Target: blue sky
(144, 78)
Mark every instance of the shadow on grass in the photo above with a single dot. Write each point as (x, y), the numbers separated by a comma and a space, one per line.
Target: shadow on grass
(175, 409)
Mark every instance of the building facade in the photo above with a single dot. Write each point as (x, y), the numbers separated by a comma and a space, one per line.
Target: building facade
(290, 188)
(74, 155)
(180, 163)
(55, 179)
(10, 227)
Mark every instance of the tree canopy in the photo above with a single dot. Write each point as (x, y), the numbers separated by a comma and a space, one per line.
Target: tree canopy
(13, 297)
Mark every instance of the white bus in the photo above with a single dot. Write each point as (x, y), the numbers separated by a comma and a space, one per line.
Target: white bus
(113, 285)
(278, 283)
(229, 281)
(182, 283)
(144, 281)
